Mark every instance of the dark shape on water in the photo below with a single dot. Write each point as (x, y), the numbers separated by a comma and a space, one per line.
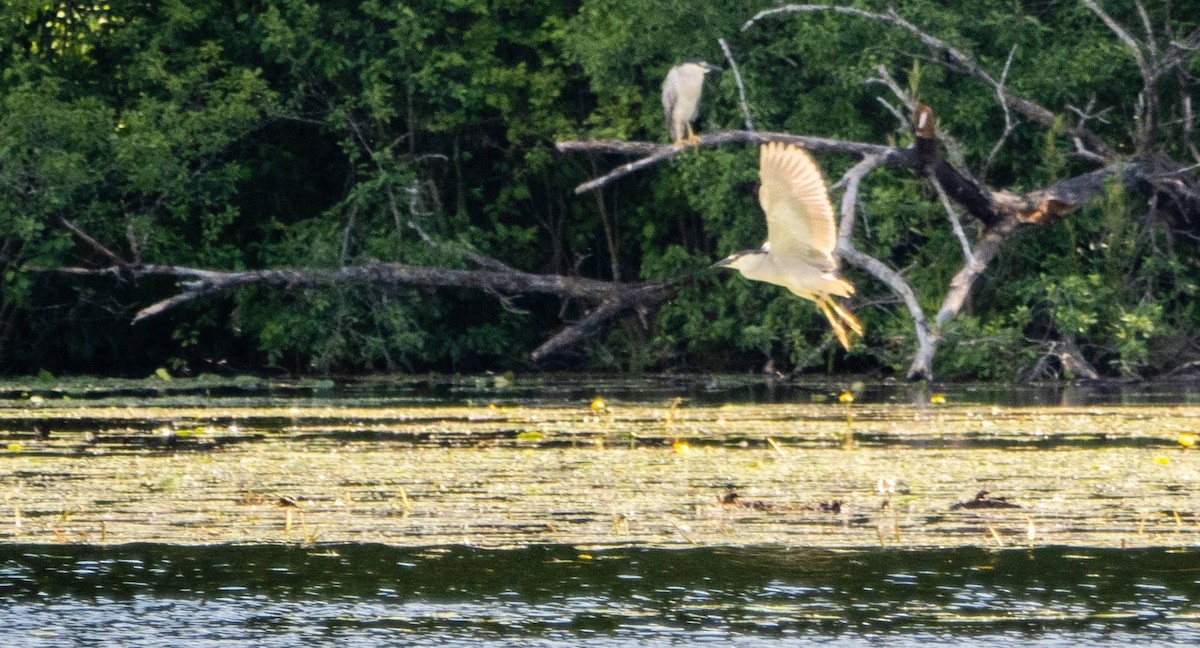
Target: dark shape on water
(982, 501)
(733, 498)
(828, 506)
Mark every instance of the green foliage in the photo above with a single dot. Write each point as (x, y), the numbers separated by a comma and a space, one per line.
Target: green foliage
(318, 133)
(992, 350)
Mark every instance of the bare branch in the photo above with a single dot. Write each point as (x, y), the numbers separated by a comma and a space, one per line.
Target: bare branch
(656, 153)
(955, 224)
(1151, 42)
(1084, 153)
(885, 78)
(954, 59)
(481, 260)
(1189, 120)
(1130, 42)
(953, 148)
(850, 181)
(1147, 105)
(113, 257)
(961, 187)
(1041, 206)
(1008, 125)
(1085, 114)
(391, 274)
(610, 235)
(964, 281)
(159, 307)
(896, 112)
(639, 298)
(1178, 51)
(876, 268)
(957, 57)
(576, 332)
(195, 283)
(737, 76)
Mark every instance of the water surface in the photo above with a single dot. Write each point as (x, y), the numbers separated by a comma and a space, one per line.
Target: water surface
(505, 511)
(362, 594)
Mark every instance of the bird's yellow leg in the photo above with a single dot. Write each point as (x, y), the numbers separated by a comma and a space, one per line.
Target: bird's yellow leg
(847, 317)
(838, 329)
(692, 137)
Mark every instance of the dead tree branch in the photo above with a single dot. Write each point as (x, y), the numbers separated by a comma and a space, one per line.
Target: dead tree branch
(104, 251)
(961, 187)
(737, 76)
(1001, 212)
(962, 283)
(922, 366)
(614, 300)
(1146, 59)
(637, 297)
(1134, 47)
(952, 58)
(656, 153)
(955, 223)
(953, 148)
(1008, 124)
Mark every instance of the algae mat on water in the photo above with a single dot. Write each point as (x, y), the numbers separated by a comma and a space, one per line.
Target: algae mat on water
(826, 475)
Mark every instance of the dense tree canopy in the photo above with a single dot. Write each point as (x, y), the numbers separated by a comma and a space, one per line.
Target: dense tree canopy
(234, 135)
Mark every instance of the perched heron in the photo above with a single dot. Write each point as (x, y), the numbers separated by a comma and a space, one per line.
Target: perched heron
(801, 236)
(681, 98)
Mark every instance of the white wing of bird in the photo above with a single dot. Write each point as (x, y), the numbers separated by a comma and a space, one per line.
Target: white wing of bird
(801, 236)
(799, 216)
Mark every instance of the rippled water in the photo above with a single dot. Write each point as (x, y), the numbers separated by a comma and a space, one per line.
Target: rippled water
(351, 595)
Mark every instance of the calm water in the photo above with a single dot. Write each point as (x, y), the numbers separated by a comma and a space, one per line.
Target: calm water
(363, 595)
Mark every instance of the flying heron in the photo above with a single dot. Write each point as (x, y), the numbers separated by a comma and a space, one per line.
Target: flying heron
(681, 98)
(801, 236)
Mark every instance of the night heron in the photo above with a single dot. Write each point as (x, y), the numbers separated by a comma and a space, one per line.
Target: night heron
(801, 236)
(681, 98)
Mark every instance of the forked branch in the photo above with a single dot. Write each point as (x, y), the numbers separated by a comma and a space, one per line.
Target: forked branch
(952, 58)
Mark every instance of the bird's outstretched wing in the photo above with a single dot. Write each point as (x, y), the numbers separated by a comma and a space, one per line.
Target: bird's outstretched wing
(794, 196)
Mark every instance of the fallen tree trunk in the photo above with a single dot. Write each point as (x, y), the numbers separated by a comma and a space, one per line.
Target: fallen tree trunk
(614, 299)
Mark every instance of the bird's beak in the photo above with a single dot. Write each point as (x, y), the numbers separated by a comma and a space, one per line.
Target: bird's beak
(723, 262)
(709, 67)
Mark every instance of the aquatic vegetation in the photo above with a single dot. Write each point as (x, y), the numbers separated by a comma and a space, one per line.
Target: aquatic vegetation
(198, 470)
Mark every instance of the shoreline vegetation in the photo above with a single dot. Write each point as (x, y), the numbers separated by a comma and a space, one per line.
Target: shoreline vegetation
(340, 187)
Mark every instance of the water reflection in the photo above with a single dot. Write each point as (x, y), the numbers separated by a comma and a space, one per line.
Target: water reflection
(368, 594)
